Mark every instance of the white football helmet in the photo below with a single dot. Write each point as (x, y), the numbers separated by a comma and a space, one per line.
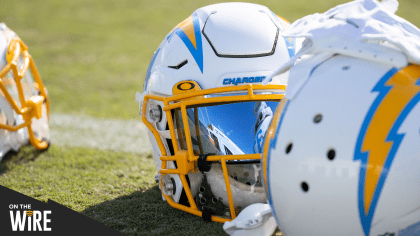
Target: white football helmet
(207, 110)
(24, 102)
(342, 155)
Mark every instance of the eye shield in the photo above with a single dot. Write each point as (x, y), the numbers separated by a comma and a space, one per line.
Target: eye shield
(222, 129)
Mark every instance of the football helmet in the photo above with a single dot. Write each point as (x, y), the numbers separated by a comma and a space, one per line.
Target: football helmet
(342, 152)
(207, 111)
(24, 102)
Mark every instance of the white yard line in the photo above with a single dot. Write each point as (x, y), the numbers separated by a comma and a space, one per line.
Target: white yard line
(116, 135)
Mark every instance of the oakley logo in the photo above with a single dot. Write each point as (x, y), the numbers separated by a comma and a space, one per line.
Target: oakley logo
(244, 80)
(186, 86)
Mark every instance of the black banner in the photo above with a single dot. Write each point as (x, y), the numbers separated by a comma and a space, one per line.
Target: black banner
(23, 215)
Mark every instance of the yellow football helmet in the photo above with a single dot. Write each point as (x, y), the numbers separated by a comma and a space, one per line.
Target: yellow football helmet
(24, 102)
(207, 111)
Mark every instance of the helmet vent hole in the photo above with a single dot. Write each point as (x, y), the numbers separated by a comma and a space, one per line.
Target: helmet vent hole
(346, 67)
(317, 118)
(331, 154)
(201, 189)
(202, 200)
(289, 148)
(214, 200)
(304, 186)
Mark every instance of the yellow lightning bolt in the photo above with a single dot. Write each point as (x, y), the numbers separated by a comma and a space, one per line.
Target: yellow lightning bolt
(403, 89)
(188, 27)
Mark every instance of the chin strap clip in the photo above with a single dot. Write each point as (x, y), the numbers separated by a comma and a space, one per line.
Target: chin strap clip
(206, 214)
(203, 164)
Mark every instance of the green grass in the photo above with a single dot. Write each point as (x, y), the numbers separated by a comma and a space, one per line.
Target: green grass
(93, 54)
(144, 213)
(114, 188)
(76, 177)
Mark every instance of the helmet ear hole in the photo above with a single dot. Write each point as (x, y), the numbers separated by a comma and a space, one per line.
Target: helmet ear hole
(155, 113)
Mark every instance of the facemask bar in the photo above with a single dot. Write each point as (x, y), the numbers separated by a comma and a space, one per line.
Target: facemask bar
(33, 106)
(185, 159)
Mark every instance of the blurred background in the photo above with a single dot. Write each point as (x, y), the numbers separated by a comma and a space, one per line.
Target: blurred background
(93, 54)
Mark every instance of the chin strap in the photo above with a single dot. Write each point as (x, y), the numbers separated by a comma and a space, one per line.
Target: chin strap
(255, 220)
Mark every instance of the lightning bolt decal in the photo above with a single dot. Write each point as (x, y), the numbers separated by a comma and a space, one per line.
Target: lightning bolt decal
(190, 34)
(378, 140)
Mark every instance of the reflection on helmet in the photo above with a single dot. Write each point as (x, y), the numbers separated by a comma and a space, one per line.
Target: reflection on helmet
(220, 129)
(344, 157)
(263, 114)
(205, 78)
(24, 102)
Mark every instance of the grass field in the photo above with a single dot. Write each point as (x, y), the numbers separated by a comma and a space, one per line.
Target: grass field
(114, 188)
(93, 56)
